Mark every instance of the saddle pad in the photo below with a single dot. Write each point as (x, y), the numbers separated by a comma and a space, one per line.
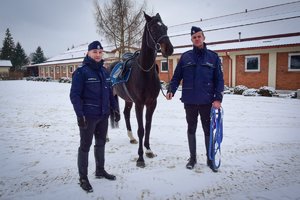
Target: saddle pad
(116, 79)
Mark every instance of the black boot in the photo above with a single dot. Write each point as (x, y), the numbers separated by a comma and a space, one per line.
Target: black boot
(210, 165)
(191, 163)
(82, 163)
(101, 173)
(209, 162)
(85, 184)
(192, 148)
(100, 160)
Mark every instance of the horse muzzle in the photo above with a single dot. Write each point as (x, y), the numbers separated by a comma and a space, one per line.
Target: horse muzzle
(166, 47)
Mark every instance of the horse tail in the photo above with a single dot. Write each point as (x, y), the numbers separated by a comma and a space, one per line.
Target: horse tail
(112, 116)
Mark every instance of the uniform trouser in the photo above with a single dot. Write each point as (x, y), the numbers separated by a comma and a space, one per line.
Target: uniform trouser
(192, 112)
(97, 128)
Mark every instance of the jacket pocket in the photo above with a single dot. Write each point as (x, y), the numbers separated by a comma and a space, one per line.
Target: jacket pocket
(91, 109)
(93, 85)
(208, 71)
(189, 71)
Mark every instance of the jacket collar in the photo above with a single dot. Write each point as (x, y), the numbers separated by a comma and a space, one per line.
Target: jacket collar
(92, 63)
(200, 51)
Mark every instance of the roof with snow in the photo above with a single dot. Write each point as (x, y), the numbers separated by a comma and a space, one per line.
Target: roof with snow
(5, 63)
(272, 20)
(230, 46)
(74, 55)
(282, 19)
(77, 52)
(257, 43)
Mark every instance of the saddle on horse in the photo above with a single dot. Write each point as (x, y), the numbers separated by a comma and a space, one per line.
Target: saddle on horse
(121, 71)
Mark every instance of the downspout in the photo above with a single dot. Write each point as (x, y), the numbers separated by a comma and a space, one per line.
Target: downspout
(54, 71)
(229, 69)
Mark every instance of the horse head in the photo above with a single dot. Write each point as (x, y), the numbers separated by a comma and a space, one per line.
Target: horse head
(157, 35)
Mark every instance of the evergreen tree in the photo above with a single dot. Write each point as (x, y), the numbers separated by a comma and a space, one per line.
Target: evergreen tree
(8, 47)
(38, 56)
(19, 58)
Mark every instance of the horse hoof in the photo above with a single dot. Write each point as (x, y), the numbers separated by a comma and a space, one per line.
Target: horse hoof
(150, 154)
(140, 164)
(134, 141)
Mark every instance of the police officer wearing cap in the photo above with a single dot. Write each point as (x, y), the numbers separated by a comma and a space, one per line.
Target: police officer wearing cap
(92, 98)
(202, 88)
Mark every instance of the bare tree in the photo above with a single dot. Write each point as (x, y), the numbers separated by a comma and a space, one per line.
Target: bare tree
(120, 23)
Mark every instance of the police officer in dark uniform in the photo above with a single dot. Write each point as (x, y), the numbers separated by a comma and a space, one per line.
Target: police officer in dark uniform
(92, 98)
(202, 87)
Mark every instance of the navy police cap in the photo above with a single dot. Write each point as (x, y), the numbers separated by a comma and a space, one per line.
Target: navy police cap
(95, 45)
(195, 29)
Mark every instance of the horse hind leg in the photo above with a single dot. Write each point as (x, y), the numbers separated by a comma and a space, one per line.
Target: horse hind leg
(149, 115)
(127, 109)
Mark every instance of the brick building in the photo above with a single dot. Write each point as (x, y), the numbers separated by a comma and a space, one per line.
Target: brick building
(254, 62)
(64, 64)
(267, 55)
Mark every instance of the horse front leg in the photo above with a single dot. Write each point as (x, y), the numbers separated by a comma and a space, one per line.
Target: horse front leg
(126, 112)
(149, 115)
(139, 116)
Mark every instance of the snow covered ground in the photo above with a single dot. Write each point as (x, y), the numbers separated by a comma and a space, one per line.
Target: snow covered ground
(39, 140)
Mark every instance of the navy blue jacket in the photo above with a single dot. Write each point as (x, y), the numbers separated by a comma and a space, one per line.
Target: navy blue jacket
(202, 77)
(91, 92)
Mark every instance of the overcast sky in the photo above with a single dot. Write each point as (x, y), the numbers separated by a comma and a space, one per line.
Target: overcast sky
(56, 25)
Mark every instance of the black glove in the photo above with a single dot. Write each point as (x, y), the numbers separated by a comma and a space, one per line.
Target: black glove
(117, 115)
(168, 87)
(81, 122)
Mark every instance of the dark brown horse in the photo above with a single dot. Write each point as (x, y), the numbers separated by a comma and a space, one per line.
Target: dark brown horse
(143, 85)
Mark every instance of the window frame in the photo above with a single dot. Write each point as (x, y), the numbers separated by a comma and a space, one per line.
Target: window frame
(161, 65)
(71, 68)
(57, 69)
(258, 63)
(289, 62)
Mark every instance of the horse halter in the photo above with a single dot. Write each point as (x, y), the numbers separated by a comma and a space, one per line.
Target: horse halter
(156, 47)
(156, 43)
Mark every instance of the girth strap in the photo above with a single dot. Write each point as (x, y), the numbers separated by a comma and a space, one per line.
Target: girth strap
(127, 92)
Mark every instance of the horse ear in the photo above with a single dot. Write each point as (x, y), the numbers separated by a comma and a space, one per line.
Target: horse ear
(147, 17)
(158, 16)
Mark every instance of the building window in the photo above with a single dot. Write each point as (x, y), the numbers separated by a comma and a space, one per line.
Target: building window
(57, 70)
(51, 70)
(252, 63)
(64, 69)
(71, 68)
(164, 66)
(294, 62)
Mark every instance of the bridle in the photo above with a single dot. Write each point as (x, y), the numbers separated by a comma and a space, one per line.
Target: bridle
(156, 43)
(156, 47)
